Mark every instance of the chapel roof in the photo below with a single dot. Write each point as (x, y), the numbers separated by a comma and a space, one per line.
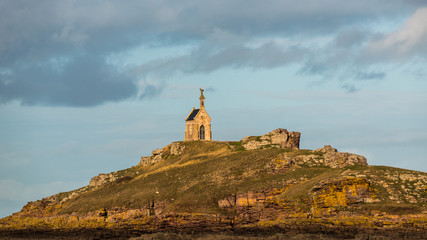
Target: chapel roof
(192, 115)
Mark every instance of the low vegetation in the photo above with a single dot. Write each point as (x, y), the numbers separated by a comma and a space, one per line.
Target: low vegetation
(222, 183)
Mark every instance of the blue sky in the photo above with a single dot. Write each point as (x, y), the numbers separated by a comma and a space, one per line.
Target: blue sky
(88, 87)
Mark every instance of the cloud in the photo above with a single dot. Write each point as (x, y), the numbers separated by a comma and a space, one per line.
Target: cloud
(206, 59)
(350, 38)
(54, 53)
(350, 88)
(345, 54)
(81, 81)
(407, 42)
(210, 89)
(355, 54)
(150, 90)
(370, 75)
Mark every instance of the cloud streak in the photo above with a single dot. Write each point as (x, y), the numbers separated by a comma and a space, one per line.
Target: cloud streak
(206, 59)
(14, 190)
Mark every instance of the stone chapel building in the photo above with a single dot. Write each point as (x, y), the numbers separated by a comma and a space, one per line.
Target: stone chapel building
(198, 123)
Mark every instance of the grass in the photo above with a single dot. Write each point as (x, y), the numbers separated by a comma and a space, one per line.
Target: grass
(207, 172)
(317, 174)
(196, 179)
(236, 146)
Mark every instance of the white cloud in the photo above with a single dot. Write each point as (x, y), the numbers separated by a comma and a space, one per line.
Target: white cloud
(410, 39)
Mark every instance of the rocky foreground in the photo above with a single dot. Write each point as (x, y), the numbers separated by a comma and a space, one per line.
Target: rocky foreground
(260, 187)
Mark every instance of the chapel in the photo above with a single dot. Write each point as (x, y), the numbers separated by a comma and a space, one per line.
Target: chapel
(198, 123)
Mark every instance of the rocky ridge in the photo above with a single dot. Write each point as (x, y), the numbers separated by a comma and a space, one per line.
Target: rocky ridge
(188, 186)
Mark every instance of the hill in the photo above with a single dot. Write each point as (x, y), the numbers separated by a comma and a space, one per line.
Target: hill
(254, 186)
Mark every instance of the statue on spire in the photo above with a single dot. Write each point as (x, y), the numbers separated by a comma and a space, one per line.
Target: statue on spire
(202, 98)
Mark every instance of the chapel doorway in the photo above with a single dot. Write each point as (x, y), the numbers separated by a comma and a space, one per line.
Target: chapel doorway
(202, 133)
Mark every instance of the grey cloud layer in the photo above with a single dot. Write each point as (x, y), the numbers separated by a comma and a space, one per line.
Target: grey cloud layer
(82, 81)
(55, 52)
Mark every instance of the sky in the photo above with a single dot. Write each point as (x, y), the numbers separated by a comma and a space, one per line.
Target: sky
(88, 87)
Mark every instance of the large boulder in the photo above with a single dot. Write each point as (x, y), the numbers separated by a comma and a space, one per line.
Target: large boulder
(336, 159)
(279, 138)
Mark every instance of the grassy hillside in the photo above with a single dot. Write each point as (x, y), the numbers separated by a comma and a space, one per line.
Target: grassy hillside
(207, 172)
(199, 186)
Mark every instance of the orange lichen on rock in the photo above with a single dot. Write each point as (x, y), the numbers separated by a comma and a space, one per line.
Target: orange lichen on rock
(332, 195)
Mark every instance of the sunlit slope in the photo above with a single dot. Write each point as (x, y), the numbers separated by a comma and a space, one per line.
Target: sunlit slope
(207, 172)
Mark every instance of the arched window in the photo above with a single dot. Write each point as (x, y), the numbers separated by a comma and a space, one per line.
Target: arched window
(202, 133)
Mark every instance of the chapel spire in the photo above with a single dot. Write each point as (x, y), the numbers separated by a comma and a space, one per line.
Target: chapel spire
(202, 99)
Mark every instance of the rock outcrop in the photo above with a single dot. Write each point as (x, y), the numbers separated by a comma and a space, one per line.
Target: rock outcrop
(332, 195)
(176, 148)
(326, 156)
(279, 138)
(101, 179)
(155, 157)
(335, 159)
